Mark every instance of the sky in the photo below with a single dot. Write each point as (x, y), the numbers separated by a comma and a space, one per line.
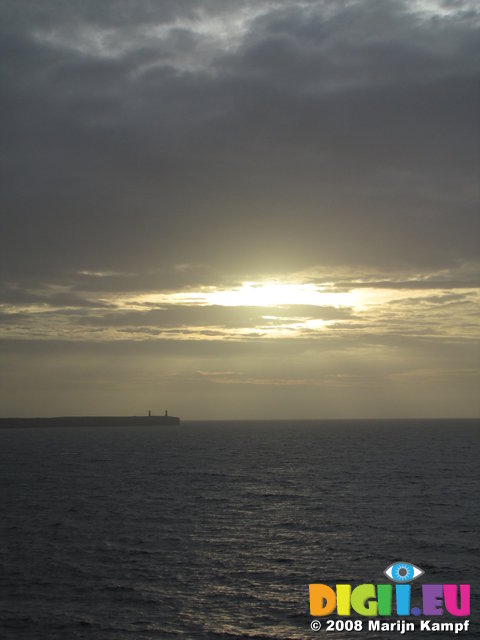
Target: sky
(240, 208)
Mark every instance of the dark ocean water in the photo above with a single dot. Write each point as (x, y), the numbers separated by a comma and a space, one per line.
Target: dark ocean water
(214, 530)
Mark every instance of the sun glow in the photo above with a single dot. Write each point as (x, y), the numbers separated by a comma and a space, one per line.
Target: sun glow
(272, 294)
(248, 294)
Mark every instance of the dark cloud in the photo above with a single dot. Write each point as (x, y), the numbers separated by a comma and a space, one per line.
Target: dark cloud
(427, 283)
(214, 315)
(340, 136)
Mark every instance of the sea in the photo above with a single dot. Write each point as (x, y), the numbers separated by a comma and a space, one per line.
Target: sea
(214, 530)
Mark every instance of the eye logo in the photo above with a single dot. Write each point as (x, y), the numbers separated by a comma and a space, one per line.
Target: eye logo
(402, 572)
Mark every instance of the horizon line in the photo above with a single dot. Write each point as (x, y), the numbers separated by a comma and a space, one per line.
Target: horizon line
(235, 419)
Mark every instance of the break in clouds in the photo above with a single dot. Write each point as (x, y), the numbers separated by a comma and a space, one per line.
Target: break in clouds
(158, 156)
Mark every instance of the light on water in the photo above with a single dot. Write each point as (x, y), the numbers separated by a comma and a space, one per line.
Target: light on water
(215, 530)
